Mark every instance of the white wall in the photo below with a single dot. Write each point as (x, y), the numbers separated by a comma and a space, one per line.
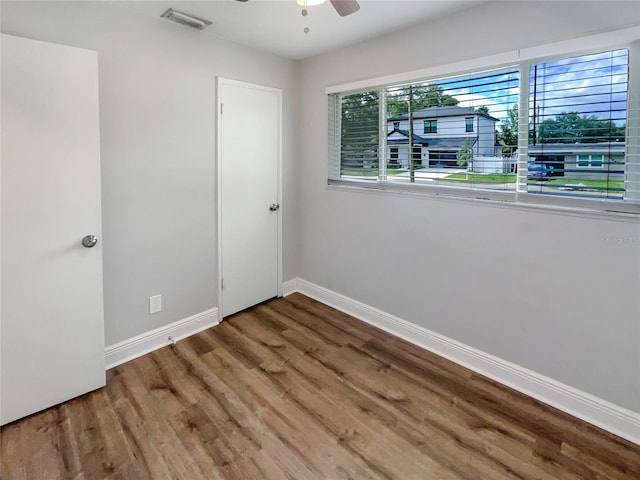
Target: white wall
(157, 115)
(557, 293)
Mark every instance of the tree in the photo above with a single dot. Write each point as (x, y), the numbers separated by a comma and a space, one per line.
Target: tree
(423, 96)
(508, 134)
(465, 154)
(482, 109)
(359, 130)
(572, 127)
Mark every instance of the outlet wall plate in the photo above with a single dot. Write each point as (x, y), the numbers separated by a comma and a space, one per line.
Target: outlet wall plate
(155, 304)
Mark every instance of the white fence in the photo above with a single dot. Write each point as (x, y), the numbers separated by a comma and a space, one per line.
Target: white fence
(490, 164)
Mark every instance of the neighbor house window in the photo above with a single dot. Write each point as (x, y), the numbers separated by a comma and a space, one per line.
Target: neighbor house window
(430, 126)
(590, 161)
(468, 124)
(416, 156)
(561, 131)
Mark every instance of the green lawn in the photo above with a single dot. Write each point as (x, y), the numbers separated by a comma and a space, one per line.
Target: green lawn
(489, 178)
(360, 172)
(600, 185)
(370, 172)
(481, 177)
(594, 184)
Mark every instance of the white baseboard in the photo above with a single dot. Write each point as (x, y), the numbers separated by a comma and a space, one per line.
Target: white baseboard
(613, 418)
(139, 345)
(289, 287)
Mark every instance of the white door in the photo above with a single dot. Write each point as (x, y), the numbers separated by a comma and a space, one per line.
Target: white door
(249, 142)
(52, 344)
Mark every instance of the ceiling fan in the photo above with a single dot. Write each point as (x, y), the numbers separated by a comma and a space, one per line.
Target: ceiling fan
(343, 7)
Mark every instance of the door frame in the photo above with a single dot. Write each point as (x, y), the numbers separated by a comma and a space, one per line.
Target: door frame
(219, 207)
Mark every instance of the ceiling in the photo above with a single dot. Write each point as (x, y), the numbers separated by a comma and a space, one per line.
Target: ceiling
(277, 26)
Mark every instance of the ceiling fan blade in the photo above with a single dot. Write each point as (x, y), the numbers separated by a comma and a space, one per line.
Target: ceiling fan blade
(345, 7)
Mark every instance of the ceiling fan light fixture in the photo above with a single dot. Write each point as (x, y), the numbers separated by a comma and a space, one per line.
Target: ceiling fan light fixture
(186, 19)
(310, 3)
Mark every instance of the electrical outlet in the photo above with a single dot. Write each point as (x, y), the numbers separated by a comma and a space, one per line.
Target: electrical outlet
(155, 304)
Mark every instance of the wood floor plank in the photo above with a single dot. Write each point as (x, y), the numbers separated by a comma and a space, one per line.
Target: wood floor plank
(293, 389)
(411, 426)
(235, 418)
(348, 330)
(332, 416)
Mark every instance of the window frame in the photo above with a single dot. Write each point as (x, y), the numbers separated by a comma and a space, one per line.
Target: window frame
(468, 124)
(433, 126)
(590, 161)
(628, 38)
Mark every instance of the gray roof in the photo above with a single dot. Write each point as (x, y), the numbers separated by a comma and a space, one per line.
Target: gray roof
(435, 112)
(416, 138)
(450, 142)
(602, 148)
(440, 142)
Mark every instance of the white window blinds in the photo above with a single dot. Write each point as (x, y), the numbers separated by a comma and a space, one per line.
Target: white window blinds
(354, 135)
(577, 126)
(577, 135)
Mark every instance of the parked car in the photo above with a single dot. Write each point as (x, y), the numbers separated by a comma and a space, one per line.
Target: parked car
(539, 171)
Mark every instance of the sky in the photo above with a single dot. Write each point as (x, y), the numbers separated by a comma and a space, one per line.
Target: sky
(589, 84)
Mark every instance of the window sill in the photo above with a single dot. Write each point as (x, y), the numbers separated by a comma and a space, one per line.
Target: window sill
(527, 201)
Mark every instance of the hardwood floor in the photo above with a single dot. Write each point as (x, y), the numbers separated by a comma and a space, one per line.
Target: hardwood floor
(293, 389)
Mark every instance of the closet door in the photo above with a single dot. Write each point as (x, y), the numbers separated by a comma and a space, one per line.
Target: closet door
(52, 326)
(249, 194)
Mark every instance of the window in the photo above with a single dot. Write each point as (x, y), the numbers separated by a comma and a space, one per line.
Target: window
(468, 124)
(364, 123)
(578, 105)
(416, 156)
(430, 126)
(359, 134)
(590, 161)
(554, 128)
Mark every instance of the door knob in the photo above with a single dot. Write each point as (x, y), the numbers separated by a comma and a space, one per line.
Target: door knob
(89, 241)
(274, 206)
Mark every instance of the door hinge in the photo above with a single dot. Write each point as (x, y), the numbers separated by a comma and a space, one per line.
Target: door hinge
(221, 108)
(221, 283)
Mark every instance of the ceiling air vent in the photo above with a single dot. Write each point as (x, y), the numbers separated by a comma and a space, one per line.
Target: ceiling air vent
(186, 19)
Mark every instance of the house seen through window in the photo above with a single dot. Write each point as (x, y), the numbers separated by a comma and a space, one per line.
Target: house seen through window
(464, 132)
(577, 131)
(427, 139)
